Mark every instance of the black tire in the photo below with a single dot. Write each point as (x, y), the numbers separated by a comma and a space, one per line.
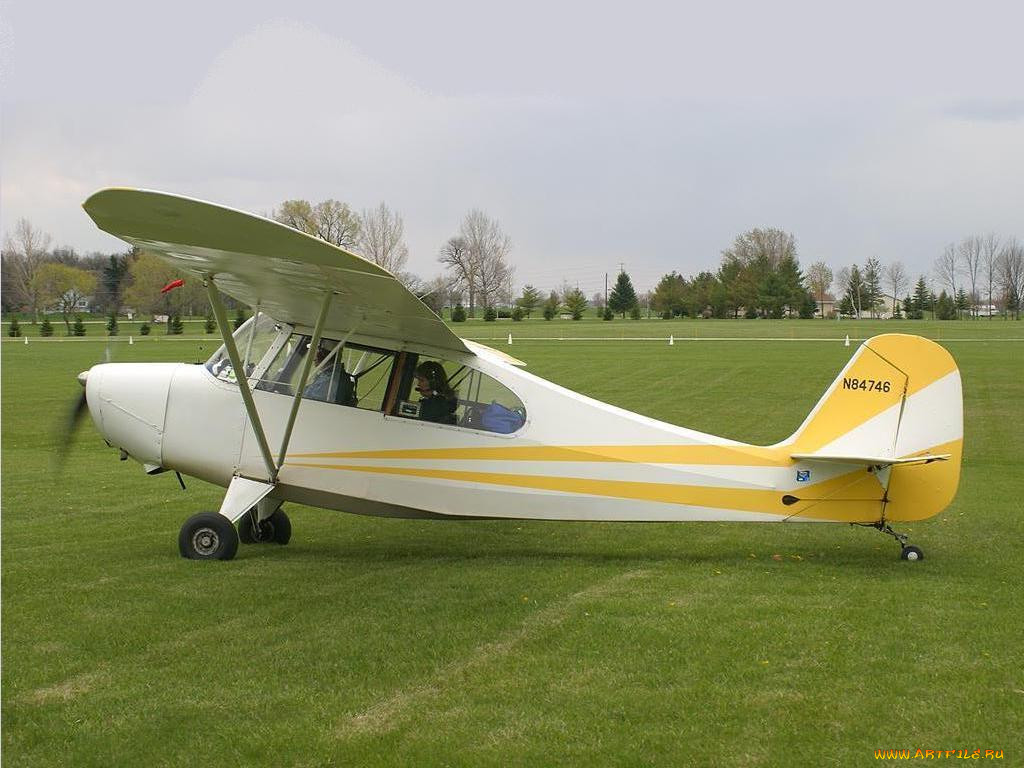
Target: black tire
(208, 536)
(911, 553)
(282, 526)
(246, 528)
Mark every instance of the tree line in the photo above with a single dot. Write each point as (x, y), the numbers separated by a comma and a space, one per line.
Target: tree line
(759, 275)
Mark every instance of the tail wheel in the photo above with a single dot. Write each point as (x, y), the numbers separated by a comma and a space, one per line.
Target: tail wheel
(910, 552)
(277, 528)
(208, 536)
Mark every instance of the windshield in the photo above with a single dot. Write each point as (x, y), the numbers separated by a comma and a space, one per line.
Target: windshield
(253, 339)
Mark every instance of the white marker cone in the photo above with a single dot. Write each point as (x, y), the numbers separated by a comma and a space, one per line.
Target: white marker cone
(510, 339)
(847, 341)
(26, 339)
(130, 341)
(671, 340)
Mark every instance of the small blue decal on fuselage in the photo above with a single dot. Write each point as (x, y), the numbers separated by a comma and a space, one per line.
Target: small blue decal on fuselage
(803, 475)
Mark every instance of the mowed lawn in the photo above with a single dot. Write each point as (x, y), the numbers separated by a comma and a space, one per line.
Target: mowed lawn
(386, 642)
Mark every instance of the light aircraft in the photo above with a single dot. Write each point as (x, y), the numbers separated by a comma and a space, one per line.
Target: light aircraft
(311, 401)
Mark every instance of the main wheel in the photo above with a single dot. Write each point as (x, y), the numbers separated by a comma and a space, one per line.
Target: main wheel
(208, 536)
(911, 553)
(277, 529)
(282, 532)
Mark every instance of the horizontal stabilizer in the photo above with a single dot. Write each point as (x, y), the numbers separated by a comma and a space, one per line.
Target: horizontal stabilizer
(874, 461)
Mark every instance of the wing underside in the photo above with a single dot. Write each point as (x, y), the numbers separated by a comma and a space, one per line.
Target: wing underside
(261, 262)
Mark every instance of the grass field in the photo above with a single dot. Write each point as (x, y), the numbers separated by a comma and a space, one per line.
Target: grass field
(385, 642)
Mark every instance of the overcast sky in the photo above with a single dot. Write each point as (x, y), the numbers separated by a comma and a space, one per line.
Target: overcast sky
(649, 135)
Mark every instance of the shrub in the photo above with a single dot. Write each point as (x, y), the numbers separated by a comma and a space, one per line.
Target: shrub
(78, 329)
(15, 329)
(517, 314)
(666, 315)
(46, 328)
(607, 314)
(504, 313)
(209, 326)
(175, 326)
(459, 314)
(549, 312)
(490, 315)
(239, 318)
(144, 329)
(634, 313)
(112, 325)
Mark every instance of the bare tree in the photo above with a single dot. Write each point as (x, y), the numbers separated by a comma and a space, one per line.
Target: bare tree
(970, 253)
(946, 268)
(896, 278)
(478, 256)
(455, 255)
(1011, 275)
(990, 262)
(382, 238)
(26, 252)
(330, 220)
(819, 278)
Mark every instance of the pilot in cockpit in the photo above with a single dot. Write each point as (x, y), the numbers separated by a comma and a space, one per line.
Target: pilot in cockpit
(438, 400)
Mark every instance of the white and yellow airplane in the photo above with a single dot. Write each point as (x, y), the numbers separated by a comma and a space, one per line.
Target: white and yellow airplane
(340, 428)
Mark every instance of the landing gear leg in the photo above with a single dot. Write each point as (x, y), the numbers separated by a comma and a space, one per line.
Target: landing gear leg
(907, 551)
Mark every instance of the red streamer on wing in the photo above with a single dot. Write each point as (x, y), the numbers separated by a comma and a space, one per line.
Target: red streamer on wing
(172, 285)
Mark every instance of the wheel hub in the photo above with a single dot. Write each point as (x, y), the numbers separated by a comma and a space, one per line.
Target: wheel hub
(205, 541)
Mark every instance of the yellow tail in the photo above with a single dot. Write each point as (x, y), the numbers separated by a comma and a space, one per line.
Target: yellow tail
(895, 412)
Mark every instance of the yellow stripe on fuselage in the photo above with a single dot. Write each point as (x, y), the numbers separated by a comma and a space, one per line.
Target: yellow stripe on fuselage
(858, 491)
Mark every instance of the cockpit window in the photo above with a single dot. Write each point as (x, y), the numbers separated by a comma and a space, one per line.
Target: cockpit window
(253, 339)
(351, 375)
(444, 392)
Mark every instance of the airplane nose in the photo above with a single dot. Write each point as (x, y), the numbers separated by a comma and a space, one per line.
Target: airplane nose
(82, 378)
(128, 404)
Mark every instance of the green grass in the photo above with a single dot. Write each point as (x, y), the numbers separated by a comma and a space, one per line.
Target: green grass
(370, 641)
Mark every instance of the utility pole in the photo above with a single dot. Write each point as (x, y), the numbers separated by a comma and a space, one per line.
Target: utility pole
(606, 289)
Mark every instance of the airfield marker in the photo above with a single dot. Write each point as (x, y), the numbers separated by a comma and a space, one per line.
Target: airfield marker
(130, 341)
(510, 339)
(26, 339)
(847, 341)
(671, 340)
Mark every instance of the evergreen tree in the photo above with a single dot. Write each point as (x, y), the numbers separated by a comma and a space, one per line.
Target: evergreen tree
(490, 314)
(670, 294)
(46, 328)
(78, 329)
(607, 314)
(908, 308)
(846, 305)
(576, 303)
(529, 300)
(855, 290)
(239, 318)
(623, 296)
(872, 285)
(144, 329)
(962, 302)
(517, 313)
(15, 328)
(112, 324)
(175, 326)
(209, 326)
(634, 313)
(459, 313)
(920, 302)
(551, 306)
(945, 307)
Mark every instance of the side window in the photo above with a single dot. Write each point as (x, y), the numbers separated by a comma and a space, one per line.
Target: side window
(353, 376)
(445, 392)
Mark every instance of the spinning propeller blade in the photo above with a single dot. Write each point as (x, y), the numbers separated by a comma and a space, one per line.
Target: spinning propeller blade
(69, 425)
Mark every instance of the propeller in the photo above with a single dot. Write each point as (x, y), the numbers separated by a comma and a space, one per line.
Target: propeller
(69, 425)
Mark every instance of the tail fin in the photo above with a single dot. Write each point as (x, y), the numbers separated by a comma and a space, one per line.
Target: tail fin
(899, 397)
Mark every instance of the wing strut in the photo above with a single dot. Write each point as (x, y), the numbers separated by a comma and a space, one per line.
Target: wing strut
(306, 365)
(240, 376)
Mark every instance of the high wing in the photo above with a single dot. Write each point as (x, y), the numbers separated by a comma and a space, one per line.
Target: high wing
(262, 262)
